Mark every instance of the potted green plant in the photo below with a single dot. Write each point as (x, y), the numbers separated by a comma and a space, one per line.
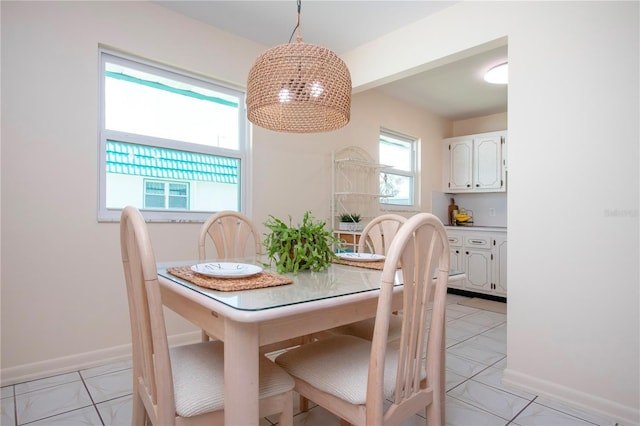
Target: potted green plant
(296, 248)
(350, 222)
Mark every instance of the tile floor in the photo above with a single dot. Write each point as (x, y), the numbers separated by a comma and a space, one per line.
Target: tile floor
(476, 358)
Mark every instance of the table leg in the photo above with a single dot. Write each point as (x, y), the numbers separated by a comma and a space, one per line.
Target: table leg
(241, 352)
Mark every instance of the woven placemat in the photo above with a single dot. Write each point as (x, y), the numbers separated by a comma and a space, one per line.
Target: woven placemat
(378, 264)
(260, 280)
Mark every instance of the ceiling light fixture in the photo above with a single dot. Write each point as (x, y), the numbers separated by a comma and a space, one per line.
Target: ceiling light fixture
(299, 88)
(498, 74)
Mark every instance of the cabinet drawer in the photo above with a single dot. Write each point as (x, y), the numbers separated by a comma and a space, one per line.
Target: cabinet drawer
(477, 241)
(454, 240)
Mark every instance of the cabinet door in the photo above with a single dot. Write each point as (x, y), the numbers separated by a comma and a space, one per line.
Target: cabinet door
(456, 263)
(500, 265)
(478, 267)
(487, 163)
(460, 165)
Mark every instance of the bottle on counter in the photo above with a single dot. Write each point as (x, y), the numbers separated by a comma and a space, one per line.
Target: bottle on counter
(453, 210)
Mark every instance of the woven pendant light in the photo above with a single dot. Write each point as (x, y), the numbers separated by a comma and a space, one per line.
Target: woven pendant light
(299, 88)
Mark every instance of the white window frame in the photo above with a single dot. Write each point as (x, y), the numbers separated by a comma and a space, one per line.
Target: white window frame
(413, 174)
(242, 154)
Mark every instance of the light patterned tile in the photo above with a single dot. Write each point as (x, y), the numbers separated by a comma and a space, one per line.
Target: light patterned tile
(457, 311)
(499, 346)
(7, 416)
(84, 416)
(459, 413)
(46, 382)
(450, 341)
(107, 368)
(7, 391)
(477, 350)
(455, 298)
(539, 415)
(110, 386)
(51, 401)
(582, 414)
(486, 318)
(501, 364)
(492, 376)
(495, 401)
(497, 333)
(117, 411)
(459, 329)
(316, 416)
(452, 379)
(463, 366)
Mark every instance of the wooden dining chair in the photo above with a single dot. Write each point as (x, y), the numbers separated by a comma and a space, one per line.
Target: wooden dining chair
(352, 377)
(232, 233)
(181, 385)
(376, 238)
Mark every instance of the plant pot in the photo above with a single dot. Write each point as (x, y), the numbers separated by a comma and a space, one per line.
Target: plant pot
(350, 226)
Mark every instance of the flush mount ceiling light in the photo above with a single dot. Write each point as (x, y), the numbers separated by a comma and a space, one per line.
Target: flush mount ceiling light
(498, 74)
(299, 88)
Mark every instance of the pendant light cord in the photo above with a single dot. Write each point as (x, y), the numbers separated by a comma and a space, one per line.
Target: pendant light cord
(297, 27)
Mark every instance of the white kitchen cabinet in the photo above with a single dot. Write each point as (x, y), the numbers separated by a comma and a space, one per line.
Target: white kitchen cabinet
(456, 258)
(477, 259)
(499, 273)
(475, 163)
(482, 256)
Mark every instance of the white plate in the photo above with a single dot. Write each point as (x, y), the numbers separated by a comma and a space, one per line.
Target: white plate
(361, 257)
(226, 269)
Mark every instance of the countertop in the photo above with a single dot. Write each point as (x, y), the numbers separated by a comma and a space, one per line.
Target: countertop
(478, 228)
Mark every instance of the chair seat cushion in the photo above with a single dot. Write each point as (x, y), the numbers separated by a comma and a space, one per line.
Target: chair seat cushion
(339, 366)
(198, 378)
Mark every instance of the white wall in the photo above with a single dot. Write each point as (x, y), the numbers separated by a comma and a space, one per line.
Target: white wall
(71, 309)
(573, 141)
(573, 144)
(489, 123)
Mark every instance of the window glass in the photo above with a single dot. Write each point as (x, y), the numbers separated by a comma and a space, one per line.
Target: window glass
(172, 144)
(397, 182)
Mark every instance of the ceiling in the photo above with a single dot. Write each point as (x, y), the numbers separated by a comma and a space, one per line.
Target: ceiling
(455, 91)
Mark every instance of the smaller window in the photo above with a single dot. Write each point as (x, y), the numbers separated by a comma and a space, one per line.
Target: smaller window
(397, 182)
(159, 195)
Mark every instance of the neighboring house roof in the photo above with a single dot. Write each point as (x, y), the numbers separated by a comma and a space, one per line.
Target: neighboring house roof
(141, 160)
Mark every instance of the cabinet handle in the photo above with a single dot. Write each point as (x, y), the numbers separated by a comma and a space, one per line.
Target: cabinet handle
(477, 185)
(476, 241)
(468, 186)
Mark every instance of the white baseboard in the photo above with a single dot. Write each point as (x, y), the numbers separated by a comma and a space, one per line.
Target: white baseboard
(52, 367)
(626, 415)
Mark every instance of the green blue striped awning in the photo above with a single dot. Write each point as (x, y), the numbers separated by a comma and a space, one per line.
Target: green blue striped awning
(160, 163)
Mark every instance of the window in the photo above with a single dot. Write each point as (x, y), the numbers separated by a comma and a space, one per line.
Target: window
(172, 144)
(166, 195)
(397, 182)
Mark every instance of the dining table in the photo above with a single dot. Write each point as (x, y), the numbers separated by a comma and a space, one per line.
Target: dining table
(250, 320)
